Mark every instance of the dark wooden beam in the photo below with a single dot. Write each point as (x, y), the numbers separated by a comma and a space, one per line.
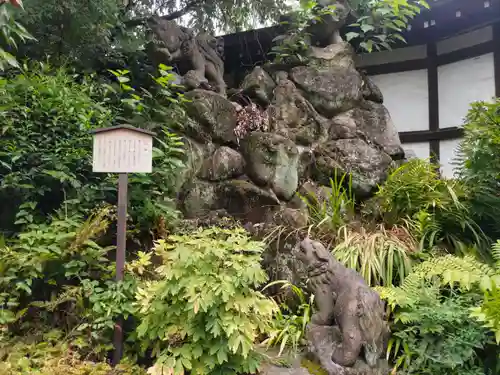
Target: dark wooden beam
(431, 136)
(396, 67)
(466, 53)
(446, 58)
(433, 98)
(496, 56)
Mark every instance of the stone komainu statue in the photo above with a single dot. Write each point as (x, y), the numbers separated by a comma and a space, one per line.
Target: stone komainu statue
(172, 43)
(343, 298)
(325, 30)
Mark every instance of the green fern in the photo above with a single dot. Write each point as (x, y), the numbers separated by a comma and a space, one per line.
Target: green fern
(495, 254)
(427, 300)
(445, 270)
(489, 311)
(429, 310)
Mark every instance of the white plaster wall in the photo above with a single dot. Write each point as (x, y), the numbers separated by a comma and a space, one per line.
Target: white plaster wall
(395, 55)
(447, 155)
(420, 149)
(406, 97)
(465, 40)
(461, 83)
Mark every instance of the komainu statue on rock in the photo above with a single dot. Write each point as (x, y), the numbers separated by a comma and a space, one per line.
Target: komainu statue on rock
(199, 54)
(325, 29)
(343, 299)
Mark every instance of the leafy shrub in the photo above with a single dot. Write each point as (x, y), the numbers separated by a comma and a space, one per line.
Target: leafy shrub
(151, 194)
(289, 325)
(430, 308)
(411, 188)
(202, 314)
(479, 164)
(49, 354)
(46, 257)
(382, 257)
(489, 311)
(435, 339)
(436, 210)
(46, 147)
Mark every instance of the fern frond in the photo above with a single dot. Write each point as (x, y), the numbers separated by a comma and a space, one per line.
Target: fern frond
(444, 270)
(495, 253)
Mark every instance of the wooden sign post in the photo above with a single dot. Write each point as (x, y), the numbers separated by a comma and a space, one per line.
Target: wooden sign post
(122, 149)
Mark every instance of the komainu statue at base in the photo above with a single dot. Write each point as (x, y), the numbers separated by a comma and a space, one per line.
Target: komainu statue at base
(348, 329)
(199, 54)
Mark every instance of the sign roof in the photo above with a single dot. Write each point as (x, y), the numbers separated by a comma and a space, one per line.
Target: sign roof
(124, 126)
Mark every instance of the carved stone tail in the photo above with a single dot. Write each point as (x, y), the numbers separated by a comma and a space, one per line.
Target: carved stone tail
(373, 326)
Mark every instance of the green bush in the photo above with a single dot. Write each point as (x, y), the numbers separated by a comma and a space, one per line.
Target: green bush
(410, 188)
(435, 339)
(437, 211)
(202, 314)
(44, 259)
(328, 214)
(438, 314)
(48, 354)
(489, 311)
(479, 164)
(46, 147)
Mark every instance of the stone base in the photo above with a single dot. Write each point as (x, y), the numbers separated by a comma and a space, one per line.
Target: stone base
(323, 339)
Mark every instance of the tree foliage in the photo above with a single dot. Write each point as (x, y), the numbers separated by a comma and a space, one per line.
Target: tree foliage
(77, 32)
(12, 32)
(437, 210)
(96, 34)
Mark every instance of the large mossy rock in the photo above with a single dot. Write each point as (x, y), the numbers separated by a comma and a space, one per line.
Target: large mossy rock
(224, 164)
(332, 56)
(367, 165)
(199, 198)
(331, 91)
(240, 198)
(215, 114)
(292, 116)
(272, 161)
(375, 122)
(258, 85)
(371, 91)
(246, 201)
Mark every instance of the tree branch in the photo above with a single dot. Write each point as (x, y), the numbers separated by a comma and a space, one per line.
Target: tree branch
(193, 4)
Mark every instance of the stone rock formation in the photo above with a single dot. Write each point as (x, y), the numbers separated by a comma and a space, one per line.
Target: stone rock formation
(288, 129)
(324, 119)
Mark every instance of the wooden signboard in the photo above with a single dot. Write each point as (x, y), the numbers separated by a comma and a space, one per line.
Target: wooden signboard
(122, 149)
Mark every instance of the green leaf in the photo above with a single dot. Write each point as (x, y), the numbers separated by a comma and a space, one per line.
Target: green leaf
(351, 35)
(366, 28)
